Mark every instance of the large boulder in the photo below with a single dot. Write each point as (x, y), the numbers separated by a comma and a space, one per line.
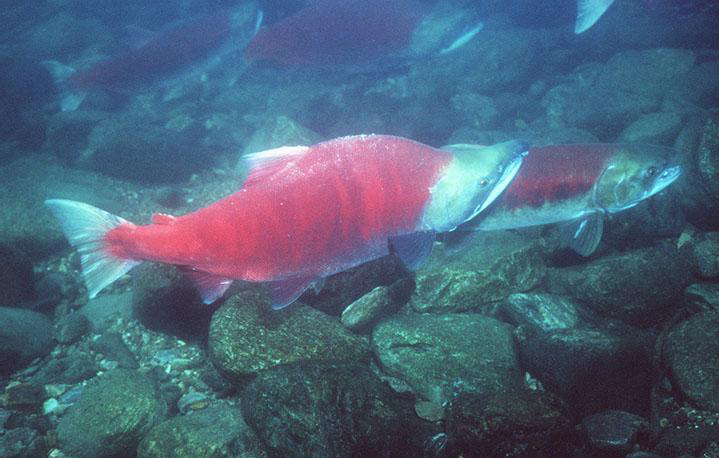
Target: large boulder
(111, 416)
(487, 267)
(691, 353)
(218, 431)
(327, 409)
(639, 287)
(247, 336)
(441, 354)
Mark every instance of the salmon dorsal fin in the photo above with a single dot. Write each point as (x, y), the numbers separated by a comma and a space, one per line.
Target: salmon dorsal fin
(264, 164)
(162, 218)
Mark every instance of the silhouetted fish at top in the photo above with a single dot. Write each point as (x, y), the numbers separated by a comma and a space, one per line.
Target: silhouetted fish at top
(162, 56)
(330, 33)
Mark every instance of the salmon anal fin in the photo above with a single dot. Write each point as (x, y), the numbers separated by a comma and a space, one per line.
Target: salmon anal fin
(264, 164)
(284, 292)
(162, 218)
(210, 287)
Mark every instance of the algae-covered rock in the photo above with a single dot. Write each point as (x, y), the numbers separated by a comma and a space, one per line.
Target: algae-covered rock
(326, 409)
(247, 336)
(489, 267)
(638, 287)
(702, 296)
(691, 352)
(112, 416)
(438, 354)
(501, 425)
(545, 312)
(219, 431)
(381, 301)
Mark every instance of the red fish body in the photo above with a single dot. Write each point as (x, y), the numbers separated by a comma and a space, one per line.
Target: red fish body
(336, 209)
(302, 214)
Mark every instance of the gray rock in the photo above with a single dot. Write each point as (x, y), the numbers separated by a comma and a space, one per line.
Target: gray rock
(439, 355)
(381, 301)
(113, 348)
(247, 336)
(71, 369)
(501, 425)
(702, 296)
(706, 256)
(215, 432)
(700, 186)
(638, 287)
(489, 267)
(71, 328)
(614, 430)
(24, 396)
(545, 312)
(658, 128)
(325, 409)
(686, 440)
(606, 97)
(24, 336)
(22, 442)
(111, 416)
(478, 111)
(16, 277)
(590, 368)
(692, 355)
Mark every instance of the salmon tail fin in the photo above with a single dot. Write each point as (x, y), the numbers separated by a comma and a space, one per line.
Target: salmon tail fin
(85, 228)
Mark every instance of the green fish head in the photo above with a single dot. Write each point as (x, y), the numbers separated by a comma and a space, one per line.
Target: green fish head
(634, 173)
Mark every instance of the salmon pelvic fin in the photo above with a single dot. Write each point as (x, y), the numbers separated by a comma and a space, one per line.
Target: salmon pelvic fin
(85, 228)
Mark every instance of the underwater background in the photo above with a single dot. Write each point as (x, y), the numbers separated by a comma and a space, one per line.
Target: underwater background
(503, 345)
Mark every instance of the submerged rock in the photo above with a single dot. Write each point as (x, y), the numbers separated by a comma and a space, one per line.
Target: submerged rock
(592, 369)
(16, 277)
(706, 256)
(326, 409)
(113, 348)
(247, 336)
(700, 140)
(71, 328)
(215, 432)
(381, 301)
(490, 266)
(508, 425)
(439, 355)
(24, 336)
(111, 416)
(702, 296)
(545, 312)
(659, 128)
(607, 96)
(639, 287)
(691, 353)
(613, 431)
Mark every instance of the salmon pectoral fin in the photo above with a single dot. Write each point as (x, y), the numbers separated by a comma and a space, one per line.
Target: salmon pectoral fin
(583, 234)
(210, 287)
(412, 249)
(284, 292)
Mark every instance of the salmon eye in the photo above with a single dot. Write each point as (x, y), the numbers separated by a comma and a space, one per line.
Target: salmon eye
(483, 182)
(651, 171)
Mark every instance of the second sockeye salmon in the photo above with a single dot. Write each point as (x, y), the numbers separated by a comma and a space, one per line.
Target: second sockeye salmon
(303, 213)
